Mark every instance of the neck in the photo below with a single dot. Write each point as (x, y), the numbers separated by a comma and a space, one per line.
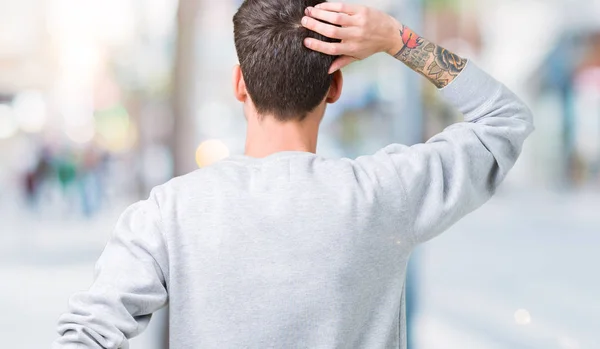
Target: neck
(268, 136)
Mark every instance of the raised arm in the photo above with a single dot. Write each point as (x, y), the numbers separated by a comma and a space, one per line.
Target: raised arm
(457, 170)
(434, 62)
(364, 31)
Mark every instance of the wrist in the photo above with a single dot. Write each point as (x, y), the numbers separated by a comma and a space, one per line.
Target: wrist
(395, 43)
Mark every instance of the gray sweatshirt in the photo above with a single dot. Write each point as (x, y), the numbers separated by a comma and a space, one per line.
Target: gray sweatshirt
(296, 250)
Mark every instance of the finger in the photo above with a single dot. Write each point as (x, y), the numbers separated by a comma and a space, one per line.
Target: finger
(329, 48)
(341, 63)
(348, 9)
(331, 17)
(328, 30)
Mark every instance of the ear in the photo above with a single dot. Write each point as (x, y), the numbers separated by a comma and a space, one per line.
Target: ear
(239, 85)
(335, 91)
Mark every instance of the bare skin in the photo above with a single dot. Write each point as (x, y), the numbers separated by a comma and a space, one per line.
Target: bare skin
(265, 135)
(364, 31)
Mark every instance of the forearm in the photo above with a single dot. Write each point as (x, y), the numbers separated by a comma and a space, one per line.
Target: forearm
(437, 64)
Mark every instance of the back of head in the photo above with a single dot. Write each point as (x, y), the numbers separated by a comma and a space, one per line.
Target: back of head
(283, 77)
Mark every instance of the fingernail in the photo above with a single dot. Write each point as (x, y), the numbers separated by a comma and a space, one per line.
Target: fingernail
(308, 9)
(304, 20)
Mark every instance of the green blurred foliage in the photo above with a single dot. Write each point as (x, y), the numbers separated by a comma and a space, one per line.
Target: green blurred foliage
(445, 5)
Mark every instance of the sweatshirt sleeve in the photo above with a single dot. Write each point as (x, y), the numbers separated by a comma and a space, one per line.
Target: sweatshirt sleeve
(129, 285)
(459, 169)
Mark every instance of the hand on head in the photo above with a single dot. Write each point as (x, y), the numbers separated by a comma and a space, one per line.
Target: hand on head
(363, 32)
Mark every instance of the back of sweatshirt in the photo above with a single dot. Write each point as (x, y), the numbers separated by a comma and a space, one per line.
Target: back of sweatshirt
(296, 250)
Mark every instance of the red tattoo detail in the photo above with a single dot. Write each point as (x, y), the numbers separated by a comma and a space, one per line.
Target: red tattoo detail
(410, 39)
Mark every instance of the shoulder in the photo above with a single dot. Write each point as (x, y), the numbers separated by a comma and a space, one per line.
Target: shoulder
(197, 184)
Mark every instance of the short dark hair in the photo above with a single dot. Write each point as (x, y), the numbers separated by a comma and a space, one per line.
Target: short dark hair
(283, 77)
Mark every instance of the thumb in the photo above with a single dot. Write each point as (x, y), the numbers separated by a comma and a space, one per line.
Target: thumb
(340, 63)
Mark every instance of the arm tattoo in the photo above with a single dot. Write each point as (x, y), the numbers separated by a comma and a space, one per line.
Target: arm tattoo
(436, 63)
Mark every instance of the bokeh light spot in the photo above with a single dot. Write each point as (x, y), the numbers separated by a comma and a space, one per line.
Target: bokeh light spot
(30, 111)
(81, 133)
(210, 152)
(116, 131)
(522, 317)
(8, 124)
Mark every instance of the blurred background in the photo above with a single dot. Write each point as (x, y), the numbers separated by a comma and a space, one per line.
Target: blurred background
(102, 100)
